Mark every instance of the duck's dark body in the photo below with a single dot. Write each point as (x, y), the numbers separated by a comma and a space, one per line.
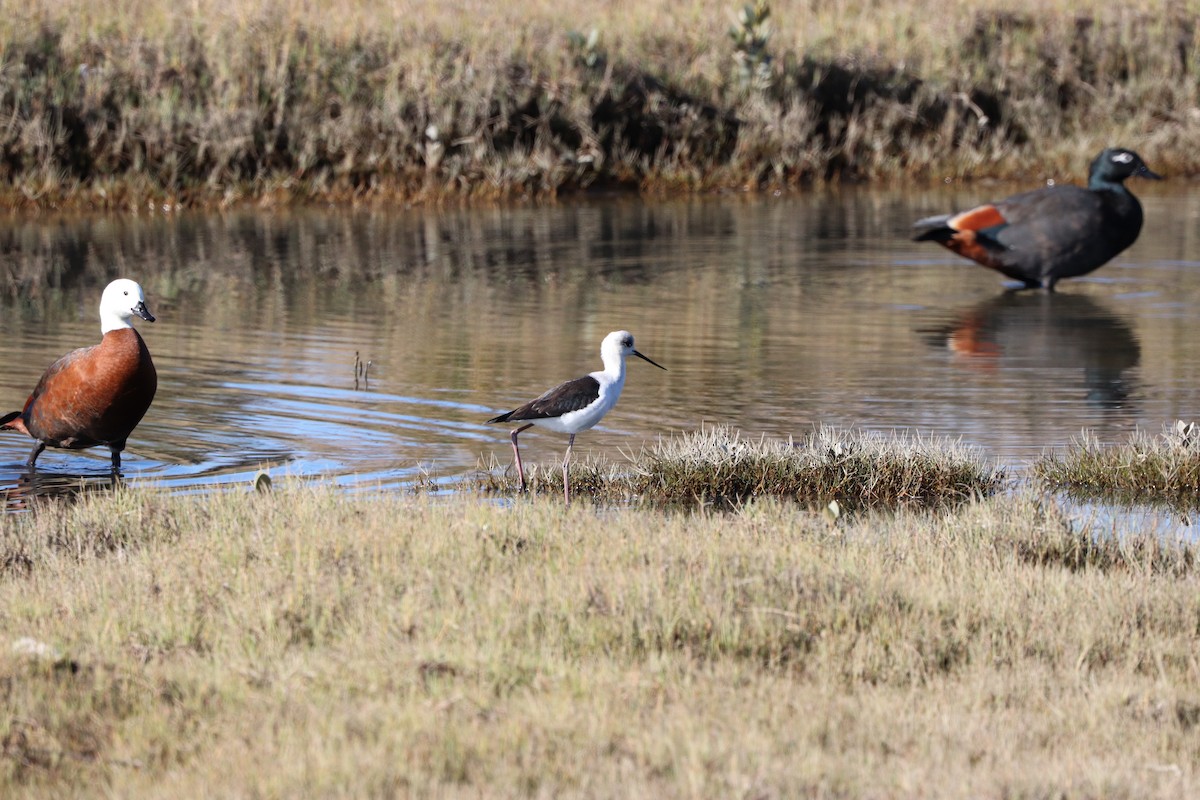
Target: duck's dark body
(1042, 236)
(91, 396)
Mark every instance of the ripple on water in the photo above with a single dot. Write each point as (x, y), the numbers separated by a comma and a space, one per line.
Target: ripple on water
(772, 315)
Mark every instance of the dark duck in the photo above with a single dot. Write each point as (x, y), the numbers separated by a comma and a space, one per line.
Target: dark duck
(1045, 235)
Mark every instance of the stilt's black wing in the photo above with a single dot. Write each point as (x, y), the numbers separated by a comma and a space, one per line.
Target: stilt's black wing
(562, 399)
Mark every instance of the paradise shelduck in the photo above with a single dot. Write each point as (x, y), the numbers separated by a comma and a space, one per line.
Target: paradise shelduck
(578, 404)
(1042, 236)
(94, 395)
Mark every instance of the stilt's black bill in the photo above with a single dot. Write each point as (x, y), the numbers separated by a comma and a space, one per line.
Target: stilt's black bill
(644, 358)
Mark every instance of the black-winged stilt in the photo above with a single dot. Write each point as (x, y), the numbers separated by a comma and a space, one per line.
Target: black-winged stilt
(579, 404)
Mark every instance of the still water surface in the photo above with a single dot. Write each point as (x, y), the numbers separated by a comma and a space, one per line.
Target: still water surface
(771, 314)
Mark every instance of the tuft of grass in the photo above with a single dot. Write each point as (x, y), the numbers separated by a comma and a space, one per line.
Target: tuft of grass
(718, 465)
(1144, 469)
(855, 469)
(305, 642)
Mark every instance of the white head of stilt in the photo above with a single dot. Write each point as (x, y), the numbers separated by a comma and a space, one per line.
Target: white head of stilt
(122, 300)
(613, 350)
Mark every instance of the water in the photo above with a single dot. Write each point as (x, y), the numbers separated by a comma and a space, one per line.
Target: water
(772, 314)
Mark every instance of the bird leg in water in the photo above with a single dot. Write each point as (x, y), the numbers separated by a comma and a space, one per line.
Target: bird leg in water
(37, 451)
(517, 452)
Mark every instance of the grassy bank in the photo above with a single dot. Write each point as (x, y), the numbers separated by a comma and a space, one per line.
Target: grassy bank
(718, 466)
(220, 102)
(306, 643)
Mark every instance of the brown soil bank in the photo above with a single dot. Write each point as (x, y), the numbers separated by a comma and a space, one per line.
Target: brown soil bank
(225, 102)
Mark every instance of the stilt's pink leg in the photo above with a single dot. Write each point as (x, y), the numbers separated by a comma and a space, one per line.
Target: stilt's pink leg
(566, 461)
(517, 452)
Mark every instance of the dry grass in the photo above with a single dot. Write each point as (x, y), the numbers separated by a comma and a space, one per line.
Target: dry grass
(215, 103)
(717, 465)
(1144, 469)
(305, 643)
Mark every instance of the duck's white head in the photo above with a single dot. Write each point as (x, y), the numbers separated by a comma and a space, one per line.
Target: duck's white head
(619, 344)
(122, 300)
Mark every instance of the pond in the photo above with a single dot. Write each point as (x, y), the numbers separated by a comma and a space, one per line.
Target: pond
(771, 314)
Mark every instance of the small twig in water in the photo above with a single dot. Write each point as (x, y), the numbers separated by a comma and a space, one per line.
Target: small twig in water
(362, 372)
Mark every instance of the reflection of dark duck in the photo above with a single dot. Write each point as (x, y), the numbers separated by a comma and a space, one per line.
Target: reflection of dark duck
(1046, 331)
(1042, 236)
(30, 486)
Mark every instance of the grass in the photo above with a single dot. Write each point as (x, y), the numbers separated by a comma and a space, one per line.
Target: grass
(716, 465)
(307, 643)
(158, 105)
(1163, 468)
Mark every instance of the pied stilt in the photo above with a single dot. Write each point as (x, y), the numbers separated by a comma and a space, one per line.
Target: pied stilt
(579, 404)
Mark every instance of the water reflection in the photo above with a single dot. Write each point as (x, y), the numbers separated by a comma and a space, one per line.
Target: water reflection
(1023, 332)
(774, 314)
(21, 490)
